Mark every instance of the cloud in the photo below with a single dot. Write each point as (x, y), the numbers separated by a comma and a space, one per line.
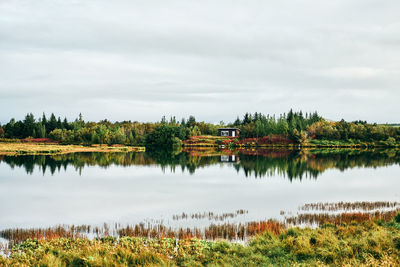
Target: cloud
(139, 60)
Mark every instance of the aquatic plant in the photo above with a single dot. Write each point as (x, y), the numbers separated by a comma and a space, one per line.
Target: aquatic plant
(209, 215)
(350, 206)
(357, 244)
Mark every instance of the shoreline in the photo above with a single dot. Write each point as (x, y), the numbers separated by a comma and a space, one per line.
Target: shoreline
(368, 242)
(26, 148)
(283, 142)
(33, 148)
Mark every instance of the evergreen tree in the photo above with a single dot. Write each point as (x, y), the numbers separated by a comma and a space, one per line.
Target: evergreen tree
(163, 120)
(237, 122)
(66, 124)
(40, 130)
(29, 126)
(52, 125)
(44, 121)
(191, 121)
(59, 123)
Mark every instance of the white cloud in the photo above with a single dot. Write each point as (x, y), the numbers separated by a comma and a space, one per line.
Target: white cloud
(139, 60)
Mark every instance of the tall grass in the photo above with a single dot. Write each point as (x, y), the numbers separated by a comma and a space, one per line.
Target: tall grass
(357, 244)
(211, 216)
(347, 206)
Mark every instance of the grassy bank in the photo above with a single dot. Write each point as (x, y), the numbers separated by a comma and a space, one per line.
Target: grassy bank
(24, 148)
(369, 243)
(282, 141)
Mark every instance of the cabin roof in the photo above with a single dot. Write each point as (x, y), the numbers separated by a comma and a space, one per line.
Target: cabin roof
(228, 129)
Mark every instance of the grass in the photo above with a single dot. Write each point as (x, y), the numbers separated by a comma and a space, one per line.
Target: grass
(351, 143)
(281, 141)
(23, 148)
(355, 240)
(369, 243)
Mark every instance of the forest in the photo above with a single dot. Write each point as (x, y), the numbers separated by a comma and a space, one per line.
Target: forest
(297, 126)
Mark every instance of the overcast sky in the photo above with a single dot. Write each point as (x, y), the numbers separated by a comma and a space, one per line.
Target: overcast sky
(216, 59)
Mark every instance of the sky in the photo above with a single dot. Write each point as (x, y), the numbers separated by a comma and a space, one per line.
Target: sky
(140, 60)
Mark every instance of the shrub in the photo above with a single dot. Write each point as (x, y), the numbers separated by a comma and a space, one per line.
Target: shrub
(313, 241)
(397, 218)
(396, 242)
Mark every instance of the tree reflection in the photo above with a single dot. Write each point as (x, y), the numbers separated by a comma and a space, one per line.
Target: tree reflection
(293, 164)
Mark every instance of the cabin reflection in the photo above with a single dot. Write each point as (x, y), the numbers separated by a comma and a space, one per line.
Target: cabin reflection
(229, 159)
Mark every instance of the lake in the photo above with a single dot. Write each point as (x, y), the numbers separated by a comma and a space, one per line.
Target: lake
(170, 188)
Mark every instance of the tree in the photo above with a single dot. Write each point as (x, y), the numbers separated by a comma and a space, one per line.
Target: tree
(131, 139)
(163, 137)
(9, 128)
(85, 134)
(182, 132)
(56, 134)
(29, 125)
(52, 125)
(194, 131)
(65, 124)
(163, 120)
(237, 122)
(118, 136)
(44, 121)
(191, 121)
(101, 132)
(40, 130)
(259, 127)
(247, 118)
(59, 123)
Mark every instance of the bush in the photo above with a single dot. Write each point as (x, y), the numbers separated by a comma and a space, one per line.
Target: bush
(163, 137)
(396, 242)
(397, 218)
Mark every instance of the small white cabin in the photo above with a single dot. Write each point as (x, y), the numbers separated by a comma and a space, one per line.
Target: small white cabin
(229, 132)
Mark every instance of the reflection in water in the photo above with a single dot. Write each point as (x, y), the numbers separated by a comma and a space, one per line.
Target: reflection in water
(211, 216)
(228, 231)
(359, 212)
(294, 164)
(195, 186)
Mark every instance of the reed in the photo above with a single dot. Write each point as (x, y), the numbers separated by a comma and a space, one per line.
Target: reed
(338, 219)
(227, 231)
(356, 244)
(211, 216)
(350, 206)
(16, 236)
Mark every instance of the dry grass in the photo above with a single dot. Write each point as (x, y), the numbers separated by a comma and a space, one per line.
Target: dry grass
(356, 244)
(42, 148)
(226, 231)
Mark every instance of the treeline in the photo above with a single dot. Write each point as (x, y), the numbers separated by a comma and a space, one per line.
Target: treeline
(106, 132)
(259, 125)
(358, 130)
(302, 127)
(298, 126)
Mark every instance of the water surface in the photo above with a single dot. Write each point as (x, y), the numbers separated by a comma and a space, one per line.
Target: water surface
(93, 188)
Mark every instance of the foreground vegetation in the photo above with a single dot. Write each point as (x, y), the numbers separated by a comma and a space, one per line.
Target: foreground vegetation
(368, 243)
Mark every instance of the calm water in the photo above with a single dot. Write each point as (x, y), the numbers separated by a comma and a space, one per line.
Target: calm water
(93, 188)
